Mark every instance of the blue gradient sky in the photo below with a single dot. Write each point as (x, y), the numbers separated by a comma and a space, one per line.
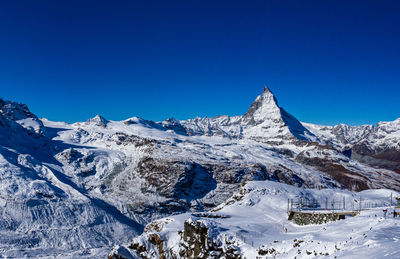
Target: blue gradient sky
(326, 61)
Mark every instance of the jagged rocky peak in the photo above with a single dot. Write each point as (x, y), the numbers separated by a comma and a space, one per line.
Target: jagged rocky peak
(98, 121)
(15, 111)
(389, 124)
(265, 107)
(21, 114)
(171, 123)
(265, 117)
(174, 125)
(172, 120)
(351, 134)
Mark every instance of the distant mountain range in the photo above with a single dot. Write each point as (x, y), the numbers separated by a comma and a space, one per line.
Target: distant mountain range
(110, 178)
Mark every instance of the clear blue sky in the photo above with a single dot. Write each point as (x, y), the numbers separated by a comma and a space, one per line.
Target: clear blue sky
(326, 61)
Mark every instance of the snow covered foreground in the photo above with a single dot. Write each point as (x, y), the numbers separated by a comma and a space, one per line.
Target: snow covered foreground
(253, 224)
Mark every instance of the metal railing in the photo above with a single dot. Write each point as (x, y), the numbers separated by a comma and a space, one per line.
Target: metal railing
(336, 204)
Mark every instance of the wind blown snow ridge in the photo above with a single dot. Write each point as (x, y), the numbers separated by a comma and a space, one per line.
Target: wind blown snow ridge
(78, 189)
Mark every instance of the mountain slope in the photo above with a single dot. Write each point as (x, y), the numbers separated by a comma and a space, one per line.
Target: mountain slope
(110, 178)
(43, 212)
(378, 146)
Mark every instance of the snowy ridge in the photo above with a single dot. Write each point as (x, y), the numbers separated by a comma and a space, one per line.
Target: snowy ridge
(378, 146)
(20, 113)
(341, 136)
(264, 119)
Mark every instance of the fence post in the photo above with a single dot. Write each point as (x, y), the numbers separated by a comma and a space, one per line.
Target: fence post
(391, 199)
(344, 203)
(360, 203)
(326, 203)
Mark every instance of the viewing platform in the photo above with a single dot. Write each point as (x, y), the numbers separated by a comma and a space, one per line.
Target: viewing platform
(319, 217)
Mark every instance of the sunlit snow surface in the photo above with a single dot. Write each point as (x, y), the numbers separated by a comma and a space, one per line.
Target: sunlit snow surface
(49, 209)
(42, 214)
(259, 219)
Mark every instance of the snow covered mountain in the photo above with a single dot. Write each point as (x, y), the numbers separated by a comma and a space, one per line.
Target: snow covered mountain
(264, 119)
(110, 178)
(20, 113)
(43, 213)
(378, 146)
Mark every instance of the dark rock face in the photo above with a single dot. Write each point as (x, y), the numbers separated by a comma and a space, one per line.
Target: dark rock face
(377, 146)
(17, 111)
(124, 139)
(176, 179)
(384, 157)
(196, 237)
(349, 179)
(176, 126)
(195, 180)
(197, 240)
(187, 185)
(380, 146)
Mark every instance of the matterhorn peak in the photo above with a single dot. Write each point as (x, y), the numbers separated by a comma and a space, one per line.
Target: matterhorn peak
(266, 118)
(264, 107)
(266, 89)
(268, 97)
